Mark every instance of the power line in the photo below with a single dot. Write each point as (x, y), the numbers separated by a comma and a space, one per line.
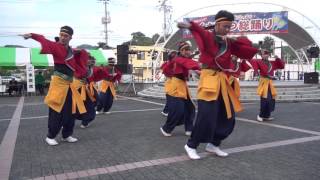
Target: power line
(46, 27)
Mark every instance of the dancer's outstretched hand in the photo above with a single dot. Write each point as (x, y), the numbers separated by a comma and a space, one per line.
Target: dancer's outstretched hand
(26, 36)
(184, 25)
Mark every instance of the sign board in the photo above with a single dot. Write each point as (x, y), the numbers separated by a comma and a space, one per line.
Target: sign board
(30, 78)
(248, 23)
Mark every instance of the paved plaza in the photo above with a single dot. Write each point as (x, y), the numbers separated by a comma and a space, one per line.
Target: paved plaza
(127, 144)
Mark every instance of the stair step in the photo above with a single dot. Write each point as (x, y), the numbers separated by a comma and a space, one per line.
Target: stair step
(248, 93)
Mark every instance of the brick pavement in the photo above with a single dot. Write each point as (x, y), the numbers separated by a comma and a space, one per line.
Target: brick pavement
(128, 145)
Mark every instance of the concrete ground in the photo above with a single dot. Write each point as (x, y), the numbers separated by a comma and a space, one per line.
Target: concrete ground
(127, 144)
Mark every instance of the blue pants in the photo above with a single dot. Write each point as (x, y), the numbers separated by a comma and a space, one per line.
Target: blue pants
(267, 105)
(166, 108)
(63, 119)
(105, 101)
(181, 111)
(212, 124)
(89, 116)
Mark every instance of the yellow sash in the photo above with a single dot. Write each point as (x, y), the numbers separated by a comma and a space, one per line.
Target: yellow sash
(262, 89)
(90, 91)
(78, 84)
(213, 82)
(236, 85)
(178, 88)
(108, 84)
(57, 94)
(167, 85)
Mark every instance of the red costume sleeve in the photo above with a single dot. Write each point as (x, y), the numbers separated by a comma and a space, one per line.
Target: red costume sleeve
(242, 48)
(118, 75)
(163, 65)
(58, 51)
(187, 63)
(47, 46)
(255, 65)
(202, 36)
(81, 69)
(98, 74)
(166, 69)
(278, 64)
(244, 67)
(205, 42)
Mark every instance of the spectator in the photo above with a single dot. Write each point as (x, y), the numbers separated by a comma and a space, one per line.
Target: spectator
(40, 83)
(13, 86)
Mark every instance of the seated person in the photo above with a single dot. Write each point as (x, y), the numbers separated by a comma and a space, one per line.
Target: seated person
(14, 86)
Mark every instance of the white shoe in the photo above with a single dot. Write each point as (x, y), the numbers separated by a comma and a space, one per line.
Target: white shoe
(107, 112)
(164, 114)
(70, 139)
(268, 119)
(215, 149)
(260, 119)
(188, 133)
(83, 126)
(165, 133)
(98, 112)
(51, 142)
(192, 153)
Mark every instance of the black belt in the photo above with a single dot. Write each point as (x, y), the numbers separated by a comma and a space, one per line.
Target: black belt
(268, 77)
(63, 76)
(205, 66)
(108, 79)
(180, 77)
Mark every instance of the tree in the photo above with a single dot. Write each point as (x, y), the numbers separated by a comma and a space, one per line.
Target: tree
(87, 46)
(155, 37)
(268, 43)
(288, 54)
(139, 39)
(103, 45)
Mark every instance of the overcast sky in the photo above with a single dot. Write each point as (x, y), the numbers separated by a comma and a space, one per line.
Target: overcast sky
(127, 16)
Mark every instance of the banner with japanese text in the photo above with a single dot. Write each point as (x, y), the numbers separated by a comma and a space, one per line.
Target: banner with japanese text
(248, 23)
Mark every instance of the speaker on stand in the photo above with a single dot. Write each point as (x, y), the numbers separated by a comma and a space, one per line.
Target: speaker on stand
(124, 66)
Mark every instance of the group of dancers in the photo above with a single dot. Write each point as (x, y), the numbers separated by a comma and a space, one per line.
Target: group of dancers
(72, 92)
(73, 95)
(221, 61)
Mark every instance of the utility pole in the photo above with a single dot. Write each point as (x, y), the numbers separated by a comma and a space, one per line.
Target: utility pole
(166, 10)
(106, 19)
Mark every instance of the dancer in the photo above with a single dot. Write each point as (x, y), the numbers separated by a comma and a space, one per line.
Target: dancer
(266, 89)
(168, 73)
(217, 101)
(241, 66)
(88, 95)
(61, 93)
(107, 91)
(181, 108)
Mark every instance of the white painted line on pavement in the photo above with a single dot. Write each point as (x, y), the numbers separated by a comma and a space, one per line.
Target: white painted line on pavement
(126, 111)
(170, 160)
(136, 110)
(278, 126)
(141, 100)
(9, 141)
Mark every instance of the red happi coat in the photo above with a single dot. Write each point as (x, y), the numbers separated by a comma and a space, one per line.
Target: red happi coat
(61, 55)
(217, 63)
(216, 58)
(266, 72)
(59, 86)
(267, 69)
(178, 68)
(110, 79)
